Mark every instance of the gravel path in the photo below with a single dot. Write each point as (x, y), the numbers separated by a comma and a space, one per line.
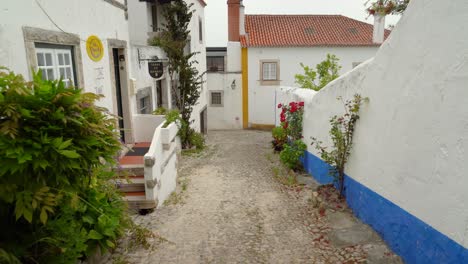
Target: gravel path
(234, 211)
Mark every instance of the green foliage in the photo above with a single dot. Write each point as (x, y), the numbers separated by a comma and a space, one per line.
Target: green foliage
(386, 7)
(341, 133)
(186, 81)
(279, 138)
(171, 117)
(291, 154)
(316, 79)
(160, 111)
(56, 148)
(197, 140)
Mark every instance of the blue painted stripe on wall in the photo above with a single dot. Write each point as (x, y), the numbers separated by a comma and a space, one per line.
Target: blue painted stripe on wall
(412, 239)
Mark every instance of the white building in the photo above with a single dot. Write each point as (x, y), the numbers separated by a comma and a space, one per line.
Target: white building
(53, 36)
(269, 49)
(145, 22)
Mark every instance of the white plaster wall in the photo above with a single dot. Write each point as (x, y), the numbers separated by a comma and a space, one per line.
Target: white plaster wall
(84, 18)
(229, 116)
(199, 47)
(262, 98)
(146, 125)
(411, 143)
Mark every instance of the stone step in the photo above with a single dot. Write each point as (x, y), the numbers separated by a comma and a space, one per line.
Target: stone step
(137, 201)
(131, 187)
(130, 170)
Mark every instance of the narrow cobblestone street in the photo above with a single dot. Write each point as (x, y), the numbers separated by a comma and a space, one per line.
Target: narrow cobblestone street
(230, 209)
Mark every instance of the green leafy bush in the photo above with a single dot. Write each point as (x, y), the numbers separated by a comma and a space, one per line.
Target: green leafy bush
(160, 111)
(279, 138)
(171, 117)
(316, 79)
(56, 148)
(197, 140)
(291, 154)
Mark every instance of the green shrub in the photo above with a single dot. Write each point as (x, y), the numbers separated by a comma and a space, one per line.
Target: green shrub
(171, 117)
(197, 140)
(160, 111)
(279, 138)
(291, 154)
(56, 148)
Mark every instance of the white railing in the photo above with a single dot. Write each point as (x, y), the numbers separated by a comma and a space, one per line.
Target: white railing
(161, 163)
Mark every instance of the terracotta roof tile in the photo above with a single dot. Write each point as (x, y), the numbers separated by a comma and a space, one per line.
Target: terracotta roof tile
(306, 30)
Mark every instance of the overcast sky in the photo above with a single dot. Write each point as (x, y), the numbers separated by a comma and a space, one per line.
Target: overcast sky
(216, 13)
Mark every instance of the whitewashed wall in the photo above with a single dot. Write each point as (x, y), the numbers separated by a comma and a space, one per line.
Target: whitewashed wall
(411, 143)
(200, 47)
(262, 98)
(229, 116)
(84, 18)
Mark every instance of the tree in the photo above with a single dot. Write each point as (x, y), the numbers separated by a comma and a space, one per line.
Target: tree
(186, 81)
(325, 72)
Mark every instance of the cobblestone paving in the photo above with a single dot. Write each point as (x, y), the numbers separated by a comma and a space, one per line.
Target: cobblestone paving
(234, 211)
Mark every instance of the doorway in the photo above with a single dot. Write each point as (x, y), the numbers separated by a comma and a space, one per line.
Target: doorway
(118, 93)
(204, 121)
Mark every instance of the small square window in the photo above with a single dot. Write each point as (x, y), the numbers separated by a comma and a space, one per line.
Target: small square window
(269, 71)
(216, 98)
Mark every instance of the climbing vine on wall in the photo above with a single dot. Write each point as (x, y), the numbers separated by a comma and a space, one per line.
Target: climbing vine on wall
(341, 133)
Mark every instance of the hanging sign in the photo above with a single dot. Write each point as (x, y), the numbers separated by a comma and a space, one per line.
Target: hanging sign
(155, 69)
(94, 48)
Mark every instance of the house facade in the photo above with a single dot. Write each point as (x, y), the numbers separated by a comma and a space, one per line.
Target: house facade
(145, 19)
(100, 46)
(271, 48)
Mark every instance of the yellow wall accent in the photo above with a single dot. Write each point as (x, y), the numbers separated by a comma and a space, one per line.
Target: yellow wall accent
(245, 88)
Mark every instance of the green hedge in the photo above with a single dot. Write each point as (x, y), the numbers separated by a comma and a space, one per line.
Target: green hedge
(56, 151)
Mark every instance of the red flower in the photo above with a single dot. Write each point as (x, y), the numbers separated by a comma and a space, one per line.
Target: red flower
(282, 117)
(293, 108)
(280, 105)
(292, 103)
(301, 104)
(285, 125)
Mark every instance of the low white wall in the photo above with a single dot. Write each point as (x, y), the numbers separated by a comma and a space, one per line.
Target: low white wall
(161, 164)
(145, 125)
(285, 95)
(410, 144)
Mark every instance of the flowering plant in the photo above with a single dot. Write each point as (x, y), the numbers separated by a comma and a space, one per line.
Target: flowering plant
(386, 7)
(291, 119)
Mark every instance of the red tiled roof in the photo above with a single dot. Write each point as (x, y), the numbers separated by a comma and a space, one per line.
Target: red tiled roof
(306, 30)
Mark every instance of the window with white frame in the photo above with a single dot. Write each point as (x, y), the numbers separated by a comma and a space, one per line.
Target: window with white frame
(56, 63)
(216, 98)
(269, 71)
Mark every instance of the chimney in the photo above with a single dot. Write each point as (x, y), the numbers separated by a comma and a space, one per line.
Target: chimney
(379, 28)
(242, 19)
(233, 20)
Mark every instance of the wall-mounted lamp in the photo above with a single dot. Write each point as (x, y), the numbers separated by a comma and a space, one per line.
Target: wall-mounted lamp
(233, 84)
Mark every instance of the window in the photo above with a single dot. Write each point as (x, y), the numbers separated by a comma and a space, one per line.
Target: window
(215, 64)
(154, 17)
(56, 63)
(216, 98)
(200, 29)
(145, 105)
(269, 71)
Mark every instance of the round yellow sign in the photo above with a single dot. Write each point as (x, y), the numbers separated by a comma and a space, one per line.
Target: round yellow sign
(94, 48)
